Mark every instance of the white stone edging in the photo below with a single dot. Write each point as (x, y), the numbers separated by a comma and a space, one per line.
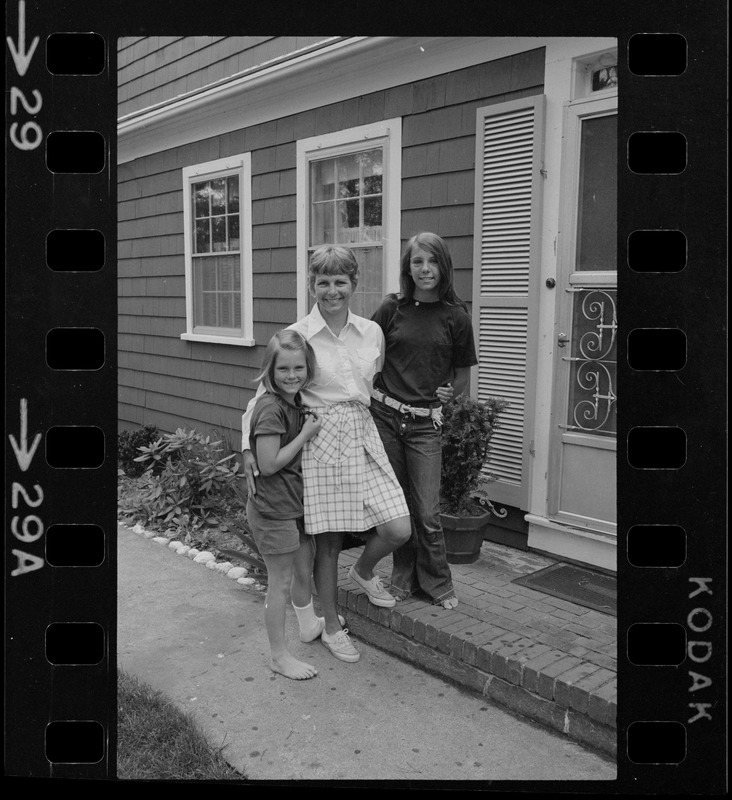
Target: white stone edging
(208, 559)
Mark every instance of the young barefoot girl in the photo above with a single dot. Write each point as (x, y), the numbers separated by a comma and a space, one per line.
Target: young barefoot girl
(279, 429)
(429, 352)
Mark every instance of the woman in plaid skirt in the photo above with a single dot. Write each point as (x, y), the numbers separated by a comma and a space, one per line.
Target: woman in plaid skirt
(349, 484)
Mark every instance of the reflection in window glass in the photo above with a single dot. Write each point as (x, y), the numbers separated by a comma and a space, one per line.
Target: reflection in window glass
(346, 194)
(216, 215)
(598, 193)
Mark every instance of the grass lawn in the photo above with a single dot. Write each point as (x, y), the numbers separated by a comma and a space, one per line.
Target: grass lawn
(157, 741)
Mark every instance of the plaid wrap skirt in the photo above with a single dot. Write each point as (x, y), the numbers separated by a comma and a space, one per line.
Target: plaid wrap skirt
(349, 484)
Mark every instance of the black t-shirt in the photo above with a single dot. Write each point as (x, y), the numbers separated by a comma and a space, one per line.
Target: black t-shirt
(425, 343)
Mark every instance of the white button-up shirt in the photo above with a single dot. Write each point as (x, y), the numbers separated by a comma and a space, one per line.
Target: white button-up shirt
(345, 364)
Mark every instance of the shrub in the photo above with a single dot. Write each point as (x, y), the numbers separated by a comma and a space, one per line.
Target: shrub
(187, 480)
(467, 430)
(128, 444)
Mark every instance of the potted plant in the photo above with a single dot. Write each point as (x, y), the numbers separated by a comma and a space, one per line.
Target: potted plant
(468, 426)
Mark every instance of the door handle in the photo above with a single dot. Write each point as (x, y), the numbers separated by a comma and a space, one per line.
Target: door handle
(562, 339)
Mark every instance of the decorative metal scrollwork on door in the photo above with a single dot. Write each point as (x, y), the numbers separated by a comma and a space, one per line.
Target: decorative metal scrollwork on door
(592, 399)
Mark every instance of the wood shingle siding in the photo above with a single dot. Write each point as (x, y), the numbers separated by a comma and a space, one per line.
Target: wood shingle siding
(177, 383)
(156, 69)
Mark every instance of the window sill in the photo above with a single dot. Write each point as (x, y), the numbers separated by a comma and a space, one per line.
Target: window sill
(198, 337)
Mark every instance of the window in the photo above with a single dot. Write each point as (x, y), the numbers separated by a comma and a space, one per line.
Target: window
(349, 192)
(593, 355)
(597, 226)
(218, 259)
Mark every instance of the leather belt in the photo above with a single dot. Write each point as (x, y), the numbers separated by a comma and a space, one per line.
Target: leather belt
(403, 408)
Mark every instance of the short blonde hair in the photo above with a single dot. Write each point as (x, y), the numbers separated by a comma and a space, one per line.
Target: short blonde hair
(291, 341)
(332, 259)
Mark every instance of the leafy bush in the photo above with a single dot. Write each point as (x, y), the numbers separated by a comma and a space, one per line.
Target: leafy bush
(128, 444)
(467, 430)
(187, 480)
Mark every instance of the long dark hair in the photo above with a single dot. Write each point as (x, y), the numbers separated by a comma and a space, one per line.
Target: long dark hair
(434, 244)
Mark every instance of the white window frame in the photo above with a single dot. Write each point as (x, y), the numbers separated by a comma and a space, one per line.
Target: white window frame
(240, 164)
(351, 140)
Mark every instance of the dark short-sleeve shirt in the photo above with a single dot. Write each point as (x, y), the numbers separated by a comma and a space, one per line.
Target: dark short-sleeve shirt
(279, 496)
(425, 343)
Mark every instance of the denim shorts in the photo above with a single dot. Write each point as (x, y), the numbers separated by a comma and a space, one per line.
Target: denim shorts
(274, 536)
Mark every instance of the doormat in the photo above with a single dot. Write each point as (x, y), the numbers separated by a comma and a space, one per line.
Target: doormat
(577, 585)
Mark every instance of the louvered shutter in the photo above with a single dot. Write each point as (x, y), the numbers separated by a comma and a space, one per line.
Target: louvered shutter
(508, 185)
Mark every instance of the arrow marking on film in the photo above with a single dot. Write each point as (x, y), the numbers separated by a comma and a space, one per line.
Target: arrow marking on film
(22, 453)
(21, 57)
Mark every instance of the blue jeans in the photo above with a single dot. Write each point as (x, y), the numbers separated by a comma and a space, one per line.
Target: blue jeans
(415, 452)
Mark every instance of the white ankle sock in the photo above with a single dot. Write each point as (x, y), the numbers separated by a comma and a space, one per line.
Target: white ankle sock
(305, 614)
(311, 626)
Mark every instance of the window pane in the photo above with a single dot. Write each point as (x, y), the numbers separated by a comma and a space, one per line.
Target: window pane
(218, 196)
(597, 213)
(232, 183)
(206, 310)
(370, 291)
(225, 278)
(322, 184)
(207, 269)
(373, 168)
(348, 176)
(218, 230)
(203, 236)
(372, 212)
(372, 184)
(348, 222)
(200, 199)
(234, 232)
(321, 224)
(217, 299)
(593, 383)
(226, 311)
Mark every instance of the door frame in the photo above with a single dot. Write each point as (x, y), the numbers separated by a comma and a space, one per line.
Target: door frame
(574, 111)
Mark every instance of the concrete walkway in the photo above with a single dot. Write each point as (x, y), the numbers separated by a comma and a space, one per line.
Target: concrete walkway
(198, 636)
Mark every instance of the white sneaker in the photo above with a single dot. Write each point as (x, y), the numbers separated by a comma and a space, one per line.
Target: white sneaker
(340, 645)
(374, 589)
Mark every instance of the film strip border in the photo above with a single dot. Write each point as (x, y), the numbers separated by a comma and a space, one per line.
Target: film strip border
(61, 395)
(670, 591)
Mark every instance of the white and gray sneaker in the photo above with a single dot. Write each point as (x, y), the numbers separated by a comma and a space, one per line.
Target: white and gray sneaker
(340, 645)
(374, 589)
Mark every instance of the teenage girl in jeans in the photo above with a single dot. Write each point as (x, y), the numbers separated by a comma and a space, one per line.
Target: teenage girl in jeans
(429, 353)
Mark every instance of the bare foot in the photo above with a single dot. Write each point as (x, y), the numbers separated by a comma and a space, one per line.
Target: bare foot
(290, 667)
(451, 602)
